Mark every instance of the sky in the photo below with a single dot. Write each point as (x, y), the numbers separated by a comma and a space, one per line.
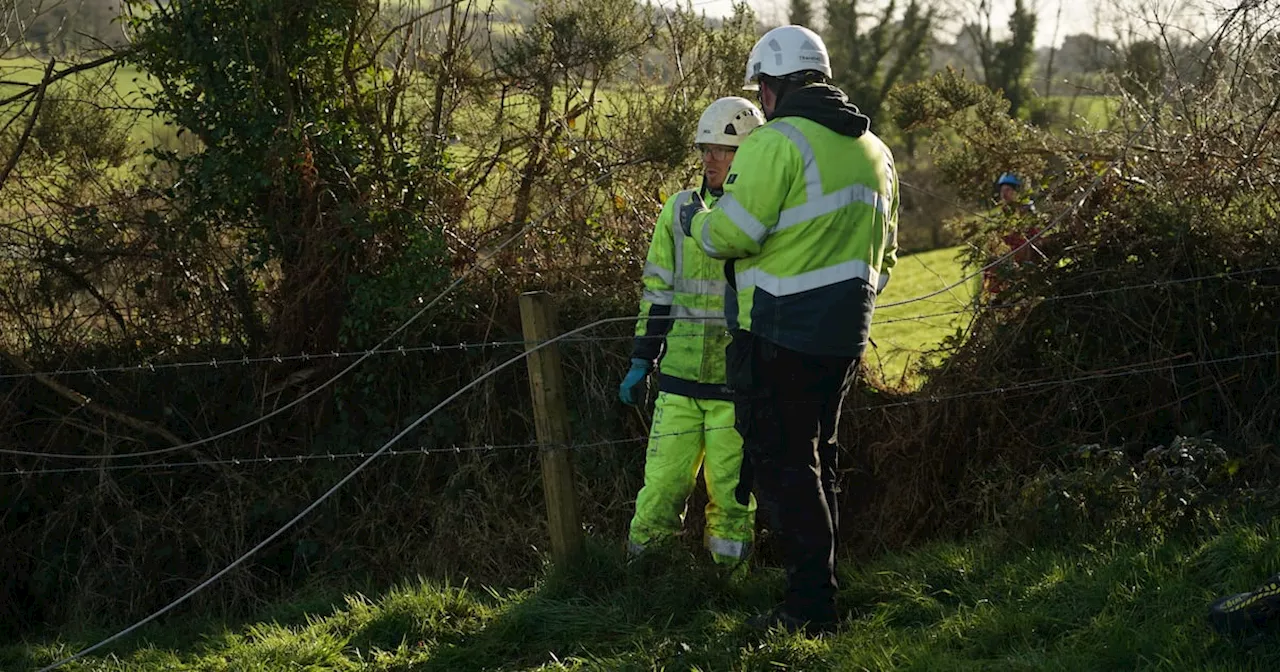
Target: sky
(1077, 16)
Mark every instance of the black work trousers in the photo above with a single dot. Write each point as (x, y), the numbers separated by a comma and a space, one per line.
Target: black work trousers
(787, 405)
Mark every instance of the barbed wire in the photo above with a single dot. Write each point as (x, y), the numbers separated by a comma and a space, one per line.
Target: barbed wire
(1145, 367)
(369, 457)
(152, 367)
(265, 459)
(1164, 365)
(1091, 293)
(1025, 302)
(532, 346)
(479, 263)
(463, 346)
(247, 361)
(333, 457)
(328, 493)
(1153, 366)
(495, 344)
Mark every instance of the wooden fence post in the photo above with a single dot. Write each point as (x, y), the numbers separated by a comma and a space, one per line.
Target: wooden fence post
(551, 413)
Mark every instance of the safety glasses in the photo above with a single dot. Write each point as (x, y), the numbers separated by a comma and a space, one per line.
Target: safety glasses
(717, 152)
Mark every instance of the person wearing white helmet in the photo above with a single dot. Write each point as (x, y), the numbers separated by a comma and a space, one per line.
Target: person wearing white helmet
(693, 416)
(808, 222)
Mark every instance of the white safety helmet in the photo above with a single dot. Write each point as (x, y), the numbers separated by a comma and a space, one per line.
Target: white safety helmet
(783, 51)
(727, 121)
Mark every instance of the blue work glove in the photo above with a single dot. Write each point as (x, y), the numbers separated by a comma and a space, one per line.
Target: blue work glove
(688, 210)
(627, 391)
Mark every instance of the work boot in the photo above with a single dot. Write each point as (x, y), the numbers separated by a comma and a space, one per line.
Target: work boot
(779, 618)
(1249, 613)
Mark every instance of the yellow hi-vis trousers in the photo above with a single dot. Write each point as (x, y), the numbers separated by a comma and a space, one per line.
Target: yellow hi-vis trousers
(688, 434)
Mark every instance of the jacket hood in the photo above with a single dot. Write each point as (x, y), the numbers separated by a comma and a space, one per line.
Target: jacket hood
(826, 105)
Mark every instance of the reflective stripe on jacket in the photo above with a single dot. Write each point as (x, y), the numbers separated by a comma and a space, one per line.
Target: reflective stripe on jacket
(810, 219)
(680, 280)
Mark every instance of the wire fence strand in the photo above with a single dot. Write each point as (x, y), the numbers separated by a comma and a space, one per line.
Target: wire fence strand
(457, 282)
(327, 494)
(585, 339)
(1134, 369)
(333, 457)
(1090, 293)
(434, 348)
(229, 362)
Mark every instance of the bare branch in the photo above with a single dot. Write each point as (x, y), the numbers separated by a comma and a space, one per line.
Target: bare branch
(31, 124)
(62, 74)
(85, 402)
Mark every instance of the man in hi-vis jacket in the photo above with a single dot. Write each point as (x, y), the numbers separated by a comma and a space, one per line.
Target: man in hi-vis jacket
(809, 222)
(693, 418)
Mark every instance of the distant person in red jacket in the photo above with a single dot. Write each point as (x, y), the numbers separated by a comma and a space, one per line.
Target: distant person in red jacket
(1012, 203)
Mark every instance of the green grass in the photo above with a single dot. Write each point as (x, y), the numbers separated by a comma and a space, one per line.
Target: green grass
(117, 86)
(989, 605)
(905, 335)
(1093, 111)
(127, 83)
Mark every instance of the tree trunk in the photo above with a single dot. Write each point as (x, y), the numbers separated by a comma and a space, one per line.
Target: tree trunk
(533, 166)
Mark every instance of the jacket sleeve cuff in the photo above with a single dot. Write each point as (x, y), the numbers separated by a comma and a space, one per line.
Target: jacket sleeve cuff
(649, 345)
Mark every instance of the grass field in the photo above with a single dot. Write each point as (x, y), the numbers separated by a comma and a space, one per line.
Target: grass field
(120, 87)
(987, 605)
(904, 336)
(1094, 111)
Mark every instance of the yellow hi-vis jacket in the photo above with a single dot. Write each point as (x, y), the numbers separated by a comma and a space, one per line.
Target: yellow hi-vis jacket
(681, 281)
(809, 217)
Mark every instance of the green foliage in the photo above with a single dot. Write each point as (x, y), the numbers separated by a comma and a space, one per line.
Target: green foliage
(800, 13)
(1013, 57)
(1143, 70)
(868, 62)
(1103, 494)
(948, 100)
(77, 139)
(80, 135)
(666, 139)
(304, 164)
(1043, 113)
(936, 100)
(572, 40)
(1006, 63)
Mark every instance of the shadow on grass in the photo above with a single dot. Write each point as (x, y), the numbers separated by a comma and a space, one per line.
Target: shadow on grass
(982, 605)
(665, 608)
(175, 631)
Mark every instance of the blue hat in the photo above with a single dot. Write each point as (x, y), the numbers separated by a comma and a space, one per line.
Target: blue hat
(1009, 179)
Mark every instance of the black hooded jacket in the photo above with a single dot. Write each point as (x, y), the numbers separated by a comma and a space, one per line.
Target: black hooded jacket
(826, 105)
